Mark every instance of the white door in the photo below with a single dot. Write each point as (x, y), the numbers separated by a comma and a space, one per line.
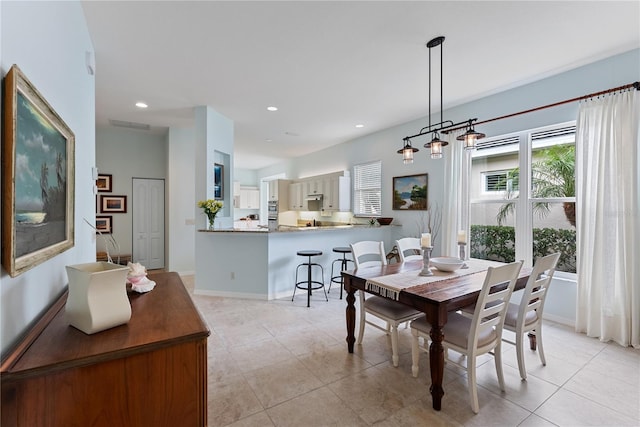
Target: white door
(148, 222)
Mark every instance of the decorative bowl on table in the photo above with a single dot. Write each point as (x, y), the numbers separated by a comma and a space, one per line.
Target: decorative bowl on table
(385, 220)
(446, 263)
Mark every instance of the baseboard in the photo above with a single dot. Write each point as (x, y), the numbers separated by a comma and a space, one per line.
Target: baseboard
(558, 319)
(227, 294)
(187, 273)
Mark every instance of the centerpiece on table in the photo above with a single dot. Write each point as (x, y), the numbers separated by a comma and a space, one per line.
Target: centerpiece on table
(211, 208)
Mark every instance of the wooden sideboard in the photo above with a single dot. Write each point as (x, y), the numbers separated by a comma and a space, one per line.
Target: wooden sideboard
(149, 372)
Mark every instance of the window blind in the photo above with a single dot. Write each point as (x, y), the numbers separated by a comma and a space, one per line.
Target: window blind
(367, 189)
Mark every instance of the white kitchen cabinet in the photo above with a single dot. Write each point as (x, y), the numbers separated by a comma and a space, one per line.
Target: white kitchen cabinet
(279, 192)
(337, 194)
(249, 198)
(296, 198)
(313, 186)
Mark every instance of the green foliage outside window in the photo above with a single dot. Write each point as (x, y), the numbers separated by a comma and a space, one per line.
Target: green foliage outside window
(497, 243)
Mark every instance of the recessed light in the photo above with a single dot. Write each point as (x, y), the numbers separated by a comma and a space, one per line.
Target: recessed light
(269, 140)
(272, 108)
(359, 126)
(141, 104)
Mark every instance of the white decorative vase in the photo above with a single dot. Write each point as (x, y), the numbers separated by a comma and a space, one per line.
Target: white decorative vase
(97, 296)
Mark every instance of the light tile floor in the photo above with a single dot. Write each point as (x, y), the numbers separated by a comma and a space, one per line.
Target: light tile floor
(279, 363)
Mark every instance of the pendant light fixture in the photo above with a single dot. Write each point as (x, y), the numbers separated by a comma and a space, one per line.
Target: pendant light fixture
(407, 152)
(470, 137)
(436, 144)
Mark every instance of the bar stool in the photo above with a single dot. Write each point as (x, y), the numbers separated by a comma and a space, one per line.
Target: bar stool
(309, 284)
(344, 250)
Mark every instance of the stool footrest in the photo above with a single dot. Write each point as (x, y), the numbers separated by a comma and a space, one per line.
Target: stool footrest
(305, 285)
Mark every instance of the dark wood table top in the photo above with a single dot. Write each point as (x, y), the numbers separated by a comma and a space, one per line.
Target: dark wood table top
(455, 292)
(162, 317)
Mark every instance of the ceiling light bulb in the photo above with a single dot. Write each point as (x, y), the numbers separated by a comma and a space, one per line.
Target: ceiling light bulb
(272, 108)
(141, 104)
(359, 126)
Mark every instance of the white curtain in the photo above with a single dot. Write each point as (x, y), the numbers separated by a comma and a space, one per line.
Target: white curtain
(608, 220)
(455, 212)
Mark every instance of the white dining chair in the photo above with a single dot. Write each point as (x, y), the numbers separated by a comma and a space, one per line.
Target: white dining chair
(409, 249)
(478, 335)
(371, 254)
(527, 315)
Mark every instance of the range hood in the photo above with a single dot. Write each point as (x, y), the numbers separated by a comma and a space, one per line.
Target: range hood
(314, 197)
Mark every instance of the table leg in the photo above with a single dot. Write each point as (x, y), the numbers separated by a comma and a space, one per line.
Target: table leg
(351, 313)
(436, 363)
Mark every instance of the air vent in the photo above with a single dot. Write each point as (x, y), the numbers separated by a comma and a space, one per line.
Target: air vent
(569, 130)
(130, 125)
(480, 145)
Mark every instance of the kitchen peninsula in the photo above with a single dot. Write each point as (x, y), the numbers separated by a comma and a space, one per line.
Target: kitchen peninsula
(260, 264)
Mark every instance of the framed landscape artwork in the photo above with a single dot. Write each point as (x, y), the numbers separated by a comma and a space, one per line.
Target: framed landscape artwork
(117, 204)
(37, 178)
(410, 192)
(104, 183)
(218, 181)
(104, 224)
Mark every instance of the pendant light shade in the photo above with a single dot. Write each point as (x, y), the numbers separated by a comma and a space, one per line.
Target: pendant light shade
(407, 152)
(435, 145)
(470, 137)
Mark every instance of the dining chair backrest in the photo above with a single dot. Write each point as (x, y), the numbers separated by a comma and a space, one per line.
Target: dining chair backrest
(535, 291)
(368, 253)
(493, 301)
(409, 249)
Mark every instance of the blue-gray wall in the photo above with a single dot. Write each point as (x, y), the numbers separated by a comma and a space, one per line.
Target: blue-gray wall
(51, 53)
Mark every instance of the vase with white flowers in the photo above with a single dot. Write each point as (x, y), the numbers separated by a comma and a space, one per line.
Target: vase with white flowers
(211, 208)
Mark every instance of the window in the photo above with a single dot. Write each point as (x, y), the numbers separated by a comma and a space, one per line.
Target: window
(498, 181)
(367, 189)
(524, 204)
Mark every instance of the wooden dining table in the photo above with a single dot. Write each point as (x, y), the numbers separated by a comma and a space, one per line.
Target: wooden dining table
(434, 298)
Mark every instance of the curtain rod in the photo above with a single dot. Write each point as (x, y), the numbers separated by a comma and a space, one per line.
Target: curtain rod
(635, 85)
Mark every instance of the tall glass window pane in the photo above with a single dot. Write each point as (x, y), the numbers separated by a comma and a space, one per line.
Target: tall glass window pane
(553, 194)
(554, 233)
(494, 192)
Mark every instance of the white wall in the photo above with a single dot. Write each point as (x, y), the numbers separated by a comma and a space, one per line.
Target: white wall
(213, 144)
(128, 154)
(181, 220)
(51, 53)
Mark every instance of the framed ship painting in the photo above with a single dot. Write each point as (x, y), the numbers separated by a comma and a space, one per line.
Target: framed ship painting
(37, 178)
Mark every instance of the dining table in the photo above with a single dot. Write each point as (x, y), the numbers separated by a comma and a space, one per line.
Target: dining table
(435, 295)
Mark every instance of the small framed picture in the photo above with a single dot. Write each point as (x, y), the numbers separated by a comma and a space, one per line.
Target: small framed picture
(218, 181)
(104, 224)
(113, 204)
(104, 183)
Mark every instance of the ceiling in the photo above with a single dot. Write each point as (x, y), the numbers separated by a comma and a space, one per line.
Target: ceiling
(329, 66)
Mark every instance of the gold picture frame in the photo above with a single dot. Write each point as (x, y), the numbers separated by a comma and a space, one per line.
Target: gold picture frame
(411, 192)
(38, 169)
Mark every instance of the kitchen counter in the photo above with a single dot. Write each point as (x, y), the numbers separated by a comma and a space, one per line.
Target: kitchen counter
(261, 264)
(288, 228)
